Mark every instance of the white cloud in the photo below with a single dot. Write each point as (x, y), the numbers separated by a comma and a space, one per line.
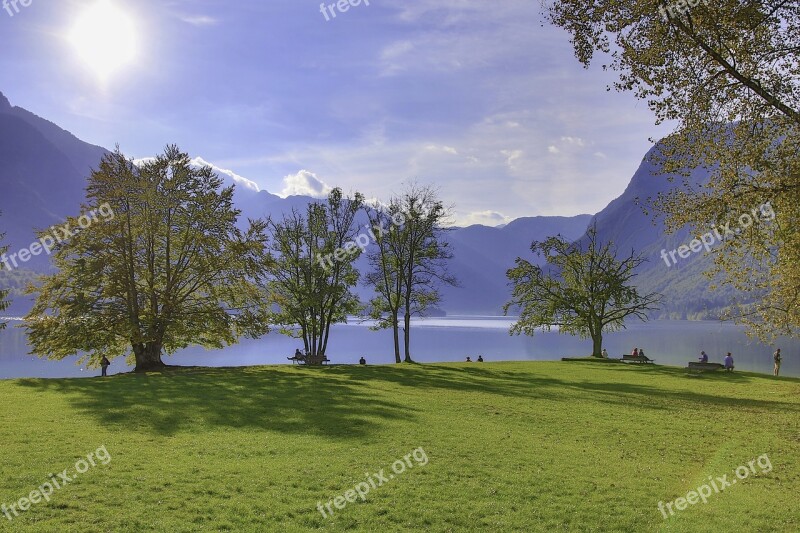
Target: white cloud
(484, 218)
(199, 20)
(577, 141)
(304, 183)
(553, 149)
(445, 149)
(512, 156)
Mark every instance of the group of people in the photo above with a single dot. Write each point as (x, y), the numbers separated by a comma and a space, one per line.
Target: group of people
(728, 360)
(480, 359)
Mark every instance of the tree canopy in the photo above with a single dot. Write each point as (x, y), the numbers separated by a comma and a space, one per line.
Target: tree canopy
(311, 271)
(584, 290)
(727, 74)
(167, 269)
(409, 263)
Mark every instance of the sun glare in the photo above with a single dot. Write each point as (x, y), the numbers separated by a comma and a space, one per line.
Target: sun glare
(105, 38)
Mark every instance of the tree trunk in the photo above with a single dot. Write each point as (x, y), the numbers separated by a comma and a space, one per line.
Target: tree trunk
(407, 336)
(396, 330)
(597, 341)
(148, 357)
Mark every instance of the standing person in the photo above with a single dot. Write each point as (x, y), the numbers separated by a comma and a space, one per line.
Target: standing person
(104, 364)
(777, 357)
(729, 362)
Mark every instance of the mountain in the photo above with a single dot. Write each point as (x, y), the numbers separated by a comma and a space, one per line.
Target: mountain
(43, 173)
(683, 284)
(483, 255)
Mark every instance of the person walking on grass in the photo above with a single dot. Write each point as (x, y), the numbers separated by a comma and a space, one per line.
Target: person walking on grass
(104, 364)
(777, 357)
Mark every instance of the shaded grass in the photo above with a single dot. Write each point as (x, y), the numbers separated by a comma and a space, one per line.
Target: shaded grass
(511, 447)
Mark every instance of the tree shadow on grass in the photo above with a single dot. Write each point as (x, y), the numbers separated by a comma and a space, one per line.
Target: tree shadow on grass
(493, 379)
(348, 402)
(284, 400)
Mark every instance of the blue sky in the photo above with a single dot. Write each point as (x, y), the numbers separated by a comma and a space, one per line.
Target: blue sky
(481, 99)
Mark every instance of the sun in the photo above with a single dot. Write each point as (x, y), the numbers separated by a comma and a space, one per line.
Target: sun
(104, 37)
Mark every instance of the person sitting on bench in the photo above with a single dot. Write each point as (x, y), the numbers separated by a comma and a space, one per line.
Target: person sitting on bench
(703, 357)
(297, 357)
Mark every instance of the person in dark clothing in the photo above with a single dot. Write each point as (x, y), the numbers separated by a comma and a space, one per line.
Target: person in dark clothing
(362, 361)
(104, 364)
(480, 359)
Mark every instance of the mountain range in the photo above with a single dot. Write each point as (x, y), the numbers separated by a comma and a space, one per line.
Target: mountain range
(43, 172)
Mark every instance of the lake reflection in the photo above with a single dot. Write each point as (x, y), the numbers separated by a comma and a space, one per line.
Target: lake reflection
(447, 339)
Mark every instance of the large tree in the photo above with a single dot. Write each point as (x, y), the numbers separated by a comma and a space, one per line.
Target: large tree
(311, 269)
(168, 267)
(727, 73)
(409, 263)
(584, 290)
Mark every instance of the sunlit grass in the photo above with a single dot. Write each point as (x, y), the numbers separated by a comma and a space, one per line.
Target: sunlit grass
(511, 447)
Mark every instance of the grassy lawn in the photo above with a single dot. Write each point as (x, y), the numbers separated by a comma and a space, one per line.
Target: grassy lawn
(509, 447)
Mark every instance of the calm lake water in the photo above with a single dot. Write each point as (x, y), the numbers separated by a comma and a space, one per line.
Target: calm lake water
(447, 339)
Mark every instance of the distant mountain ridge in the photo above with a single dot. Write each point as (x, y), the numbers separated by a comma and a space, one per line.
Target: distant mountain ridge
(44, 168)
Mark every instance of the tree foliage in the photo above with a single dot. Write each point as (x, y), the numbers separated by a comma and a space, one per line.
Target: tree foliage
(585, 290)
(169, 269)
(727, 73)
(409, 263)
(311, 269)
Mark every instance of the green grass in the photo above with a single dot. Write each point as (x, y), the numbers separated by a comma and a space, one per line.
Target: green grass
(511, 447)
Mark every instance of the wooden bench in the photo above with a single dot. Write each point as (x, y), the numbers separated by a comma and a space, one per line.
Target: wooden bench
(704, 367)
(639, 359)
(316, 360)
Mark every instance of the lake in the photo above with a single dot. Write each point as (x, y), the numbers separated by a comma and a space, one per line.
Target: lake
(447, 339)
